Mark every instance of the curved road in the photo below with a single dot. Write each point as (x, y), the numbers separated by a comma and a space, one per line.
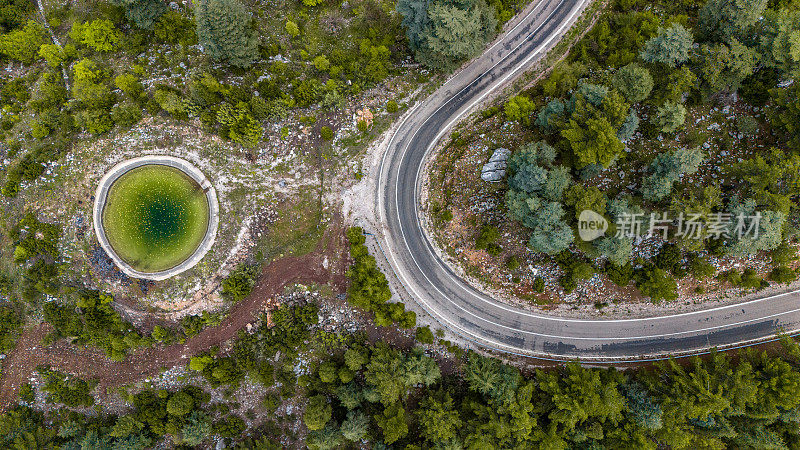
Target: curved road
(476, 316)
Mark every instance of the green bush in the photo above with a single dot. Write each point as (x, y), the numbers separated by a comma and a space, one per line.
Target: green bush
(392, 107)
(326, 133)
(175, 27)
(783, 274)
(619, 275)
(26, 393)
(62, 388)
(53, 54)
(23, 45)
(699, 267)
(538, 284)
(512, 263)
(238, 285)
(656, 283)
(10, 323)
(13, 14)
(424, 335)
(486, 240)
(100, 35)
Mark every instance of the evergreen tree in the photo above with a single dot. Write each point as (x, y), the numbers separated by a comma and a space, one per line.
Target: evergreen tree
(444, 33)
(355, 427)
(439, 419)
(14, 13)
(634, 82)
(224, 29)
(143, 13)
(318, 413)
(721, 20)
(725, 66)
(670, 116)
(671, 46)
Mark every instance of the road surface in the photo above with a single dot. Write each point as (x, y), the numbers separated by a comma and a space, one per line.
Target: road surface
(476, 316)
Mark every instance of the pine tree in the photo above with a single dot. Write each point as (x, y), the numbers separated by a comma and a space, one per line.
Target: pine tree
(721, 20)
(634, 82)
(143, 13)
(355, 427)
(671, 46)
(224, 30)
(443, 33)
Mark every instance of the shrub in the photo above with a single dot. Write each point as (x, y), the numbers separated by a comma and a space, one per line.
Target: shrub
(174, 27)
(392, 107)
(317, 413)
(751, 280)
(239, 125)
(656, 283)
(292, 28)
(62, 388)
(23, 45)
(100, 35)
(538, 284)
(130, 85)
(240, 283)
(326, 133)
(424, 335)
(26, 393)
(519, 109)
(486, 240)
(782, 274)
(126, 114)
(619, 275)
(512, 263)
(321, 63)
(699, 267)
(669, 258)
(53, 54)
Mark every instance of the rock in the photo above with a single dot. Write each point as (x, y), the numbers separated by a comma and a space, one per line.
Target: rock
(494, 170)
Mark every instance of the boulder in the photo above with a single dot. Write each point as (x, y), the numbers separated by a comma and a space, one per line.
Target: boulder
(494, 170)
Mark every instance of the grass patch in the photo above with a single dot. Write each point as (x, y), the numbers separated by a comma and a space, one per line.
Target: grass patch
(297, 230)
(155, 217)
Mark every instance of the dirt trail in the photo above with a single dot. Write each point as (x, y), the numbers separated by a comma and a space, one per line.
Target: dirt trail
(143, 363)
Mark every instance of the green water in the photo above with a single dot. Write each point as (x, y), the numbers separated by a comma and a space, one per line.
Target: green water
(155, 217)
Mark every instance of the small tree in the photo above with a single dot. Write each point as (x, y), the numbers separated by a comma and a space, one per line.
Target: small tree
(326, 133)
(180, 404)
(519, 109)
(292, 28)
(670, 116)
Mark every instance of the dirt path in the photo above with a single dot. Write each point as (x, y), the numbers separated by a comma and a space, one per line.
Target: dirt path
(143, 363)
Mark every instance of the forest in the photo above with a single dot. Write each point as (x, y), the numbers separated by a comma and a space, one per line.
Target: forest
(626, 99)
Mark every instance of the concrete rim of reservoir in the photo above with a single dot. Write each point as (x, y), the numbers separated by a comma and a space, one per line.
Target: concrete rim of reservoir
(101, 195)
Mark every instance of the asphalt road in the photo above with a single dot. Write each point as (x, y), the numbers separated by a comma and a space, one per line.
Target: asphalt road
(490, 323)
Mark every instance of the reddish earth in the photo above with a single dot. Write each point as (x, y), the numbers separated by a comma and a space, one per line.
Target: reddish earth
(88, 363)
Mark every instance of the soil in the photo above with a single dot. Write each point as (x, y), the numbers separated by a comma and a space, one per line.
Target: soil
(148, 362)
